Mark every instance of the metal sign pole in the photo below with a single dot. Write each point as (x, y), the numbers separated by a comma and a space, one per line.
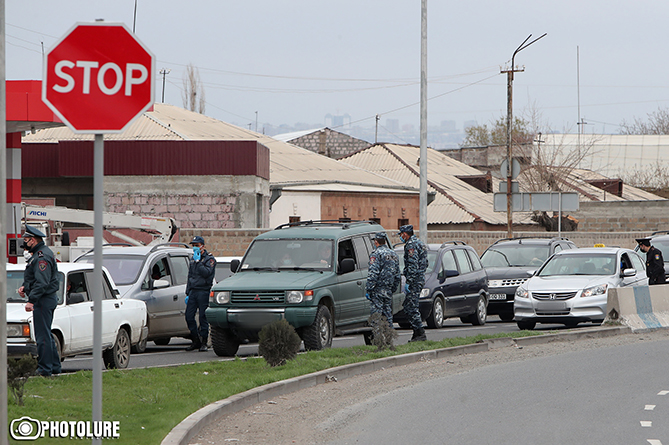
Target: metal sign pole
(4, 439)
(98, 189)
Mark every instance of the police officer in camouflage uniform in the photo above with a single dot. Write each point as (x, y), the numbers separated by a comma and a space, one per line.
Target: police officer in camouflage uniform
(40, 284)
(415, 263)
(384, 277)
(654, 262)
(201, 271)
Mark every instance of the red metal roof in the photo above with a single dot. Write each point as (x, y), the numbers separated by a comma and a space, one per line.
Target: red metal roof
(147, 158)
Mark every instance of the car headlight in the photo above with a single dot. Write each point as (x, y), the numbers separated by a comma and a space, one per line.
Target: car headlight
(298, 296)
(522, 293)
(494, 283)
(424, 293)
(18, 330)
(223, 297)
(595, 290)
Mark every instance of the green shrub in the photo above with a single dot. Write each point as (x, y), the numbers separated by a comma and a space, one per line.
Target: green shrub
(18, 372)
(278, 342)
(382, 334)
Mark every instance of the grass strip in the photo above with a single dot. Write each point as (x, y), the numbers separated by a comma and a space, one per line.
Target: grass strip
(148, 403)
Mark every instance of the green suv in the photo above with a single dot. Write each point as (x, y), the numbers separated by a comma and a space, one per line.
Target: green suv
(311, 273)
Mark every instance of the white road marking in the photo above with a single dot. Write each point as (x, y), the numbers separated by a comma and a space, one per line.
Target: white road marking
(649, 407)
(654, 442)
(663, 393)
(646, 423)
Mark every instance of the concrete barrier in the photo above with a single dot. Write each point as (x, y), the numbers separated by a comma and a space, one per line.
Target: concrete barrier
(639, 307)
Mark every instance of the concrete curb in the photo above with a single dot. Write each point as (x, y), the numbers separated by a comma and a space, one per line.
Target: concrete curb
(193, 424)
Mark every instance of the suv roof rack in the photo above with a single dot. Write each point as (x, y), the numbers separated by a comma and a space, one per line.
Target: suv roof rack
(660, 232)
(166, 245)
(325, 222)
(454, 242)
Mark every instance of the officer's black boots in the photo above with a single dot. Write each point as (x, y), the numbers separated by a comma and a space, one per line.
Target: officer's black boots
(418, 335)
(197, 344)
(203, 346)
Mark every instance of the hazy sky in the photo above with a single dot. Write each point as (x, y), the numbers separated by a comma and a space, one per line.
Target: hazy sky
(298, 60)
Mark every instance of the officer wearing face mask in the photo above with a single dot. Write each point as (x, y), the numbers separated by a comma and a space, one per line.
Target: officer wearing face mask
(201, 272)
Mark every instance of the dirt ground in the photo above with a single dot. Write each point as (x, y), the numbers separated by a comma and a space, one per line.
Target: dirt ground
(311, 415)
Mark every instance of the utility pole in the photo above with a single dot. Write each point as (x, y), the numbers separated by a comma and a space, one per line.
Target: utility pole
(376, 131)
(256, 121)
(164, 72)
(423, 123)
(509, 124)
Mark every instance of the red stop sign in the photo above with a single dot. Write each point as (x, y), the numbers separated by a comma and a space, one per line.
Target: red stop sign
(98, 78)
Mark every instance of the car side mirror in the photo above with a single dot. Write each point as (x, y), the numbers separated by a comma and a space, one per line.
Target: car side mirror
(629, 272)
(448, 273)
(234, 266)
(346, 265)
(75, 297)
(160, 284)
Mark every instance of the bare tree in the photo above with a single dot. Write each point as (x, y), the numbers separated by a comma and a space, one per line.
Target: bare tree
(658, 123)
(482, 136)
(193, 92)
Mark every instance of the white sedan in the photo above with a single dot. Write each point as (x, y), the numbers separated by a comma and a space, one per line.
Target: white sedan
(572, 286)
(123, 320)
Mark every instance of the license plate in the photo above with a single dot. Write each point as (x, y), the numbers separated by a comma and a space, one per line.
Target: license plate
(498, 296)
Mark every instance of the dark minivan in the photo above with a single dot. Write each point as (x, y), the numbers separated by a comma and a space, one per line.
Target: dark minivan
(456, 285)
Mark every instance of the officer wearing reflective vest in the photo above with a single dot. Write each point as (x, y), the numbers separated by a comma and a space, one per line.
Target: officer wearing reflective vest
(40, 286)
(654, 262)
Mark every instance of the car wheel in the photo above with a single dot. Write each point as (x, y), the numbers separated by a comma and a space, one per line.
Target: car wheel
(436, 318)
(526, 325)
(139, 348)
(59, 347)
(319, 335)
(118, 356)
(368, 336)
(506, 315)
(224, 342)
(478, 318)
(162, 341)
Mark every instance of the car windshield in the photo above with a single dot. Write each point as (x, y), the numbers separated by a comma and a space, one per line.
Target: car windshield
(288, 254)
(515, 255)
(15, 280)
(599, 264)
(431, 260)
(124, 269)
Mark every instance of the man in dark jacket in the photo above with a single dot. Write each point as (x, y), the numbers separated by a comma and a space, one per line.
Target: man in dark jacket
(40, 284)
(654, 262)
(201, 272)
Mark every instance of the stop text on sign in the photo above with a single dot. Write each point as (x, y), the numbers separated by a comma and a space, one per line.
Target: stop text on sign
(88, 66)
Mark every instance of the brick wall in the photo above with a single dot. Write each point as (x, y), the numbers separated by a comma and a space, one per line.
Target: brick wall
(336, 145)
(233, 242)
(621, 216)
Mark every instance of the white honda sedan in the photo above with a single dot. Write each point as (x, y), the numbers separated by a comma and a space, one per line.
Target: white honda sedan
(123, 320)
(572, 286)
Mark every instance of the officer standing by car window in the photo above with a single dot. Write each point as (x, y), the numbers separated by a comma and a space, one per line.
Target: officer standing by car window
(654, 262)
(201, 272)
(40, 284)
(384, 277)
(415, 264)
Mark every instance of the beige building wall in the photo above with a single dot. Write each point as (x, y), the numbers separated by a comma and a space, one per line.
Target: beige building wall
(305, 205)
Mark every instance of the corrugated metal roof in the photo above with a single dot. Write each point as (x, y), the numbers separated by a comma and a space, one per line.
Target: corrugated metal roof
(286, 137)
(456, 202)
(288, 163)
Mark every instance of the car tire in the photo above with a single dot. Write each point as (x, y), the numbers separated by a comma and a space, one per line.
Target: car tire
(118, 356)
(59, 346)
(162, 341)
(478, 318)
(506, 315)
(140, 347)
(224, 342)
(368, 336)
(319, 335)
(436, 318)
(526, 325)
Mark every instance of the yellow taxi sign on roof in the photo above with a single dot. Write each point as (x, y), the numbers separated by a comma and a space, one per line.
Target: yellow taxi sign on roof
(599, 245)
